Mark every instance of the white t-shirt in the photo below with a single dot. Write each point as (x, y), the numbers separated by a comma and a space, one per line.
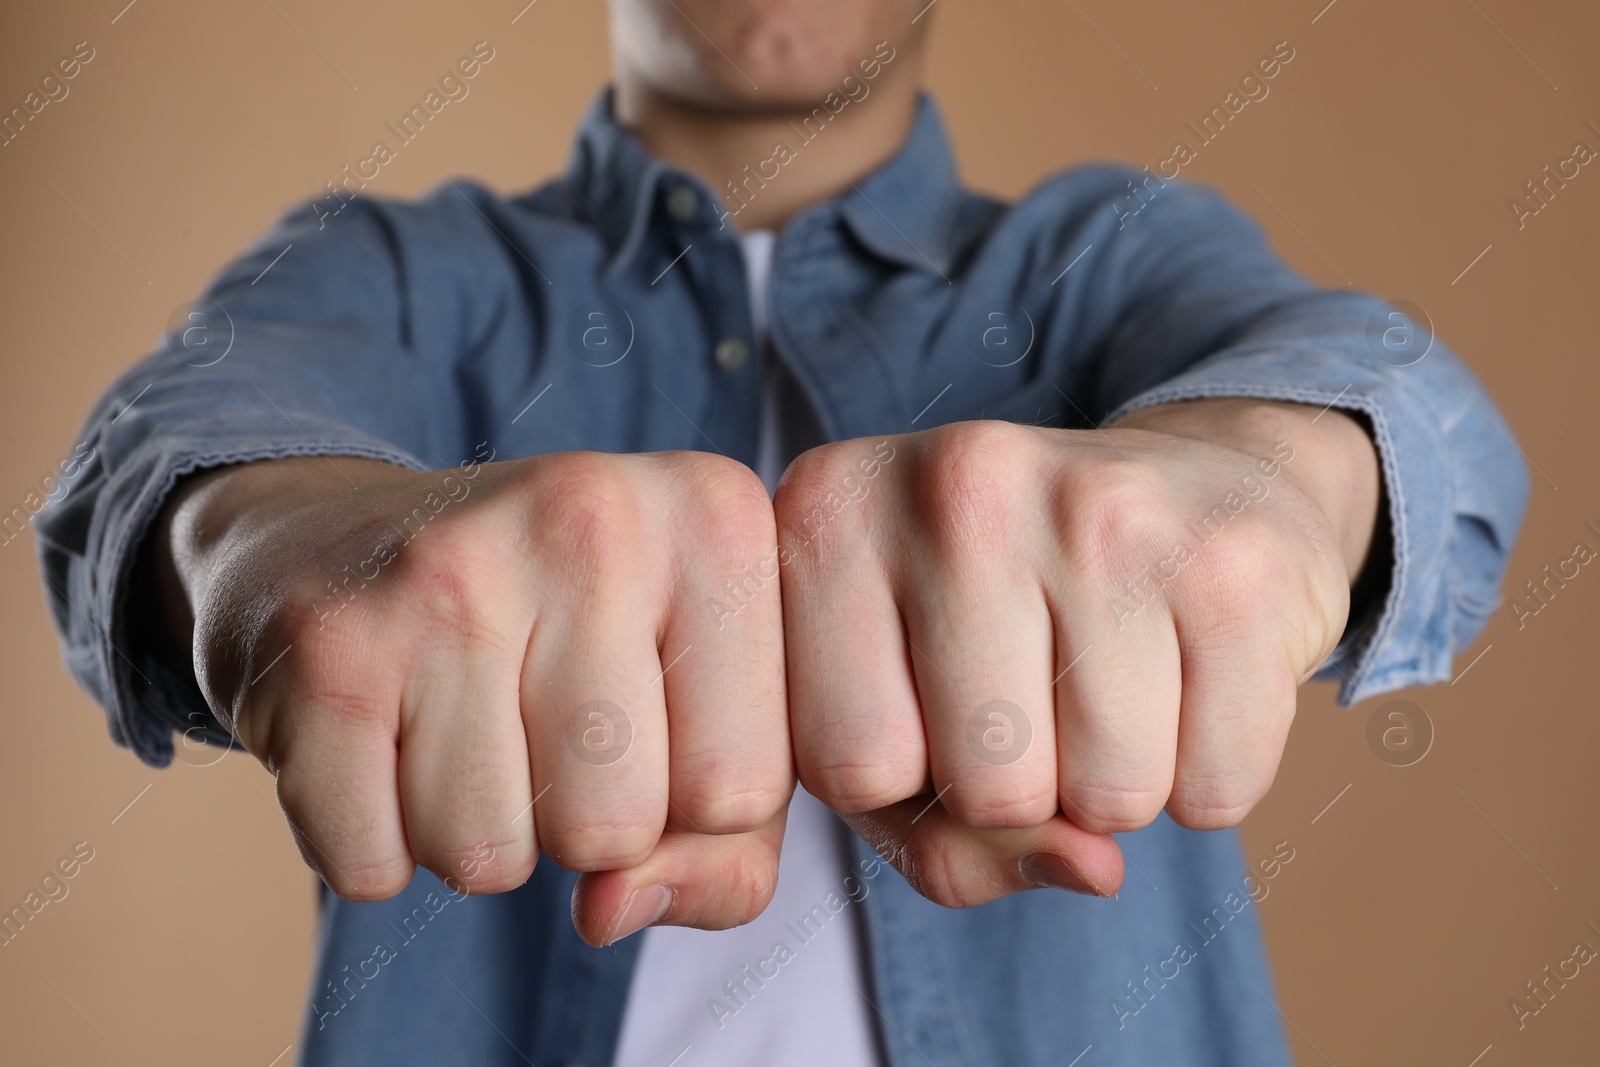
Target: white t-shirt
(735, 998)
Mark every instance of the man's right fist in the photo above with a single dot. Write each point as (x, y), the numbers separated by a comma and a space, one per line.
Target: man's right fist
(461, 668)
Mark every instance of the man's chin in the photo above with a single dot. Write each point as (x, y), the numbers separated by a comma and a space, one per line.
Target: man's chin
(780, 93)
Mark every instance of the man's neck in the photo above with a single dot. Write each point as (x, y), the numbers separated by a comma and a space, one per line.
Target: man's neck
(768, 166)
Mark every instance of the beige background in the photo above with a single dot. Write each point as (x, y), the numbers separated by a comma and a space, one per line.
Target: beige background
(1417, 905)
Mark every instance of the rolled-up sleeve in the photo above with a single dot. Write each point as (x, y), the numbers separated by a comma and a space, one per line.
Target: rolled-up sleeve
(305, 345)
(1196, 305)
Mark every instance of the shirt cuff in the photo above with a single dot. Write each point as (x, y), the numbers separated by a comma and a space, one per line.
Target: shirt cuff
(147, 698)
(1408, 638)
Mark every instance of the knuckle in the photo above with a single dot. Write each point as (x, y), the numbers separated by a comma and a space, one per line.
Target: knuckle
(1113, 808)
(592, 844)
(1011, 808)
(866, 767)
(585, 507)
(346, 865)
(938, 873)
(1108, 516)
(1250, 555)
(340, 658)
(365, 883)
(809, 507)
(710, 810)
(482, 867)
(446, 556)
(1213, 803)
(811, 472)
(1235, 600)
(752, 879)
(436, 596)
(854, 787)
(721, 484)
(335, 677)
(1235, 566)
(970, 485)
(731, 507)
(326, 645)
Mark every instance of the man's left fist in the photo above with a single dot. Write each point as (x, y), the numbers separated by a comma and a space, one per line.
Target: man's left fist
(1004, 642)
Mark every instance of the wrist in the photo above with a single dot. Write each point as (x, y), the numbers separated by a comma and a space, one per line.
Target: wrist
(215, 512)
(1335, 461)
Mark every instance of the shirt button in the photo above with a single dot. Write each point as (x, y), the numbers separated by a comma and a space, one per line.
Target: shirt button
(682, 203)
(731, 353)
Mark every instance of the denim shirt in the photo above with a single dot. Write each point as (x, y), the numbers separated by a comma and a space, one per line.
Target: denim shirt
(607, 310)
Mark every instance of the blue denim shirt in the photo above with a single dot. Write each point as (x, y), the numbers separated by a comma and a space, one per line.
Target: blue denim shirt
(587, 314)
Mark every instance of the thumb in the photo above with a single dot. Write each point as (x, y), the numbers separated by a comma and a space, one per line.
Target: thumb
(957, 866)
(707, 881)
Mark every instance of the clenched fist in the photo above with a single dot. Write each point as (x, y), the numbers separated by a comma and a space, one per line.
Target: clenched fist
(1007, 642)
(460, 669)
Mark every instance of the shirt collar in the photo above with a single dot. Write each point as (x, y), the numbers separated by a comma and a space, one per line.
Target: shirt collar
(901, 212)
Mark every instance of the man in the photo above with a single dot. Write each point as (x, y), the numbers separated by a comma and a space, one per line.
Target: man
(460, 540)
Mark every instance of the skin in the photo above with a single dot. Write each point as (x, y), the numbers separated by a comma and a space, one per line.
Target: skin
(445, 716)
(687, 75)
(1007, 551)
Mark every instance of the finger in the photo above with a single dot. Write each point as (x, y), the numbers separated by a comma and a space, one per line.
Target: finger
(464, 779)
(857, 725)
(979, 626)
(597, 738)
(709, 882)
(1239, 682)
(1117, 699)
(982, 647)
(957, 866)
(722, 659)
(346, 728)
(596, 724)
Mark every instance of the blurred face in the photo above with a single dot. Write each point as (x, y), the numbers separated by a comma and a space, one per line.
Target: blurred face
(754, 55)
